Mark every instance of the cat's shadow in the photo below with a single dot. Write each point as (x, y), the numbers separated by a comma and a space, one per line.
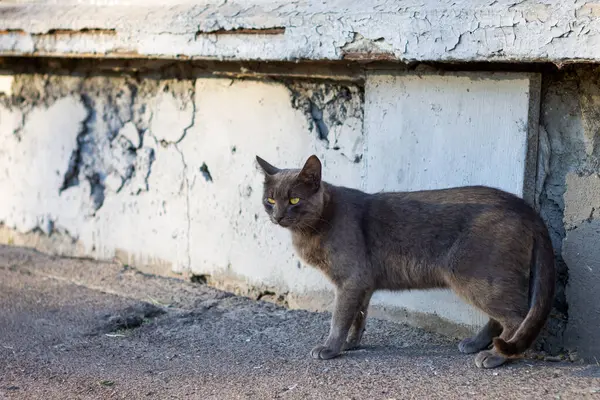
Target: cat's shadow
(369, 350)
(443, 352)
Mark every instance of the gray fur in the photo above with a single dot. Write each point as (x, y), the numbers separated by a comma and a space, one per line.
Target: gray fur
(483, 243)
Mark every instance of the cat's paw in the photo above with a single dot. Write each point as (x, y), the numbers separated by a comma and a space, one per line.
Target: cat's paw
(471, 345)
(489, 359)
(351, 344)
(323, 353)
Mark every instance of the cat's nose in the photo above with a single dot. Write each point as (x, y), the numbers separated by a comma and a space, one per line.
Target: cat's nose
(278, 218)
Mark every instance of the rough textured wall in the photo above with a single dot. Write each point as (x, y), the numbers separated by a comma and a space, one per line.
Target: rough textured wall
(571, 197)
(81, 143)
(277, 30)
(129, 170)
(161, 172)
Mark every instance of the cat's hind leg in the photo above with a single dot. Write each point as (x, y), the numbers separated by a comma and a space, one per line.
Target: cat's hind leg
(491, 358)
(483, 339)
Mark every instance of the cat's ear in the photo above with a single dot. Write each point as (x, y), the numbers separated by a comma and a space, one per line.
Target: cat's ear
(311, 172)
(267, 168)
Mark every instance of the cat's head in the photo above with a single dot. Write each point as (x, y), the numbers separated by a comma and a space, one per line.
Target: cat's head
(293, 198)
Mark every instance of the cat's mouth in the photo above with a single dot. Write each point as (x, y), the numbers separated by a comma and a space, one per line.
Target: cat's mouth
(284, 223)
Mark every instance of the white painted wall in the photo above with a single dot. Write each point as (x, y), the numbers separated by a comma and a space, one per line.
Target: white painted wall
(433, 132)
(235, 236)
(419, 132)
(33, 161)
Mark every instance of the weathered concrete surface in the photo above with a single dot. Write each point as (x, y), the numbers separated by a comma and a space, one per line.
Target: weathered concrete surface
(582, 199)
(571, 163)
(430, 131)
(236, 120)
(581, 252)
(79, 329)
(129, 182)
(140, 164)
(407, 30)
(161, 173)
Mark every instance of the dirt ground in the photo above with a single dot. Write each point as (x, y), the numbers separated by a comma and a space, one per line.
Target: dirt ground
(79, 329)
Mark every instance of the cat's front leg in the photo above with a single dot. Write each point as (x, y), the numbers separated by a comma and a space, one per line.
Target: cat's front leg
(348, 302)
(358, 326)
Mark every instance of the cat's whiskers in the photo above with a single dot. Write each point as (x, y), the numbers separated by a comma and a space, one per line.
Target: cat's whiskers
(309, 226)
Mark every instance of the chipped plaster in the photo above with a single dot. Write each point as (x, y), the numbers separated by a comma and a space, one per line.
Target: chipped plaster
(431, 30)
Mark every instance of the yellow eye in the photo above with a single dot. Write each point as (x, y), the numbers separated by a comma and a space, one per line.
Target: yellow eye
(294, 200)
(270, 201)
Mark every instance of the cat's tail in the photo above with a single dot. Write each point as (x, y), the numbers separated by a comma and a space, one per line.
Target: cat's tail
(541, 295)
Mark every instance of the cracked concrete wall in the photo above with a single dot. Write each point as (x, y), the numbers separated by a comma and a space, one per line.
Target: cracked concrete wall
(271, 120)
(77, 157)
(277, 30)
(571, 197)
(159, 172)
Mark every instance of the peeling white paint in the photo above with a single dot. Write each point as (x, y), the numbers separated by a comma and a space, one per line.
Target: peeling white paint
(467, 30)
(32, 167)
(229, 230)
(130, 132)
(166, 211)
(190, 197)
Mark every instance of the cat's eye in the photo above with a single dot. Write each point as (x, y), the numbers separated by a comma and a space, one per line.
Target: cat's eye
(294, 200)
(270, 201)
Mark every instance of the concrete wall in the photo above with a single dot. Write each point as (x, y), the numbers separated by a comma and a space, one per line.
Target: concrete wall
(278, 30)
(431, 132)
(159, 172)
(162, 173)
(570, 120)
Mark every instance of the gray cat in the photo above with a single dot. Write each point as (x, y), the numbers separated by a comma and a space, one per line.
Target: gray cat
(487, 245)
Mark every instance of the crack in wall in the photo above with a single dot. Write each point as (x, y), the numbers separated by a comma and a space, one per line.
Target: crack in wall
(193, 120)
(183, 93)
(186, 184)
(276, 30)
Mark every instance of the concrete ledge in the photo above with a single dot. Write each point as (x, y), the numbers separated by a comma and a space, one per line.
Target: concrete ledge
(375, 30)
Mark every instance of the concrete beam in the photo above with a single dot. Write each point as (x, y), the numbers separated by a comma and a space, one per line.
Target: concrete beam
(275, 30)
